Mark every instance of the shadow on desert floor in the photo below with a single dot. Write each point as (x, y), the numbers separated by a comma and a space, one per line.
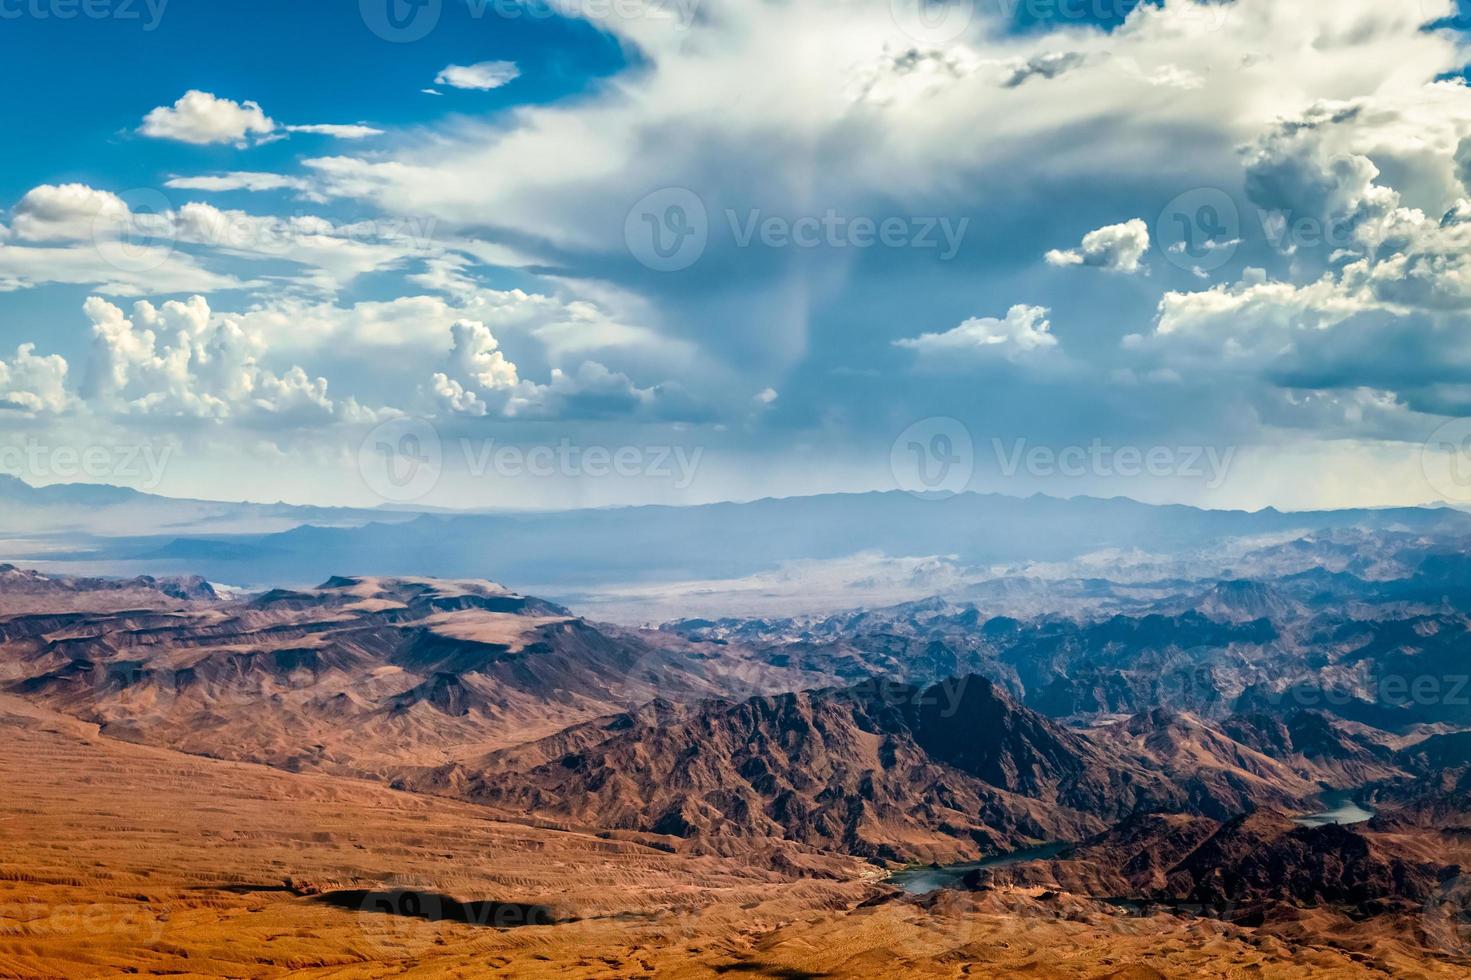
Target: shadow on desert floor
(442, 908)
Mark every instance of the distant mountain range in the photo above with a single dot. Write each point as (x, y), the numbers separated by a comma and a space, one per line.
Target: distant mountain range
(76, 515)
(566, 554)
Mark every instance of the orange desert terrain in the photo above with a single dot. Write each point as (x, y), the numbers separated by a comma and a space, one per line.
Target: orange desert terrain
(119, 859)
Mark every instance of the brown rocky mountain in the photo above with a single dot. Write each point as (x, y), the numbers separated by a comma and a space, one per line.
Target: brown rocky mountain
(943, 773)
(1238, 866)
(358, 676)
(27, 590)
(469, 689)
(1318, 746)
(1220, 776)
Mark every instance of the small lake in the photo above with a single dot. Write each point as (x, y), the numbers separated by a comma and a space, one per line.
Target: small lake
(922, 881)
(1339, 807)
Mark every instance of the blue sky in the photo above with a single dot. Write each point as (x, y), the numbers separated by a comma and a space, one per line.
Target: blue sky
(268, 235)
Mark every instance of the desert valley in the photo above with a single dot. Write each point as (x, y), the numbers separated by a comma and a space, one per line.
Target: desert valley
(1260, 771)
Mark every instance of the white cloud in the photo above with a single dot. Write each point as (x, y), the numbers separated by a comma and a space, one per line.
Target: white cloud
(1255, 317)
(116, 246)
(202, 118)
(939, 131)
(481, 77)
(1024, 332)
(1116, 248)
(180, 360)
(239, 181)
(1376, 289)
(338, 254)
(473, 355)
(354, 131)
(68, 212)
(34, 385)
(100, 242)
(479, 380)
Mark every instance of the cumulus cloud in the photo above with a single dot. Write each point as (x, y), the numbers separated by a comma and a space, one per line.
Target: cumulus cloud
(1255, 317)
(179, 360)
(1116, 248)
(113, 244)
(34, 385)
(1376, 286)
(477, 370)
(1024, 332)
(66, 212)
(481, 77)
(77, 235)
(202, 118)
(479, 380)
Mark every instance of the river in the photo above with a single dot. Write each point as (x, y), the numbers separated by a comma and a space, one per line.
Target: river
(922, 881)
(1339, 807)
